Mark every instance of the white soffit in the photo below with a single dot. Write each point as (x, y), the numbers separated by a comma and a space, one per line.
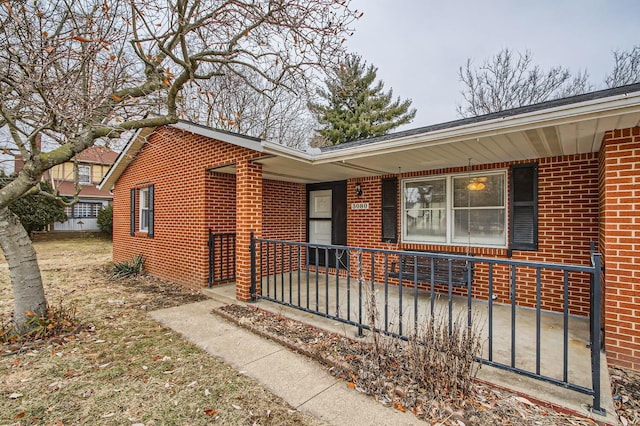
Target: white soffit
(565, 130)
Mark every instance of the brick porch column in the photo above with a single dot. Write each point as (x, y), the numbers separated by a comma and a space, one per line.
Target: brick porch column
(620, 245)
(248, 219)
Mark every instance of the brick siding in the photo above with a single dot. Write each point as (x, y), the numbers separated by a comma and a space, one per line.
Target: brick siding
(620, 242)
(568, 223)
(582, 198)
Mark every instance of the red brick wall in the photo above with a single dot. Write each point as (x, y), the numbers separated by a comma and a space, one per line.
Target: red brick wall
(620, 245)
(188, 200)
(284, 211)
(568, 222)
(248, 221)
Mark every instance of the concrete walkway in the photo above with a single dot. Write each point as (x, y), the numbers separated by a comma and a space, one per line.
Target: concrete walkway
(303, 383)
(307, 386)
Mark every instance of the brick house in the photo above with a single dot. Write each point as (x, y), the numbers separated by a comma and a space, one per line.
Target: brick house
(543, 183)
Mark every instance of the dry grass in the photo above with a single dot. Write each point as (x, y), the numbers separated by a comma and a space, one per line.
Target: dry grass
(121, 367)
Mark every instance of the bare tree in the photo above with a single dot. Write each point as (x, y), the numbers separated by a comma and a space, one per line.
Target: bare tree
(509, 80)
(626, 68)
(79, 72)
(279, 114)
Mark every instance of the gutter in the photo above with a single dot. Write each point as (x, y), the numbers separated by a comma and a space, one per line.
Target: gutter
(601, 108)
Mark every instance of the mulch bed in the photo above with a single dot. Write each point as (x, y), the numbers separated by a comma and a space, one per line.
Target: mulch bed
(485, 405)
(625, 386)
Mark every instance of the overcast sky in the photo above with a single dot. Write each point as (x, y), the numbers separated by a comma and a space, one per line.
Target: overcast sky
(418, 45)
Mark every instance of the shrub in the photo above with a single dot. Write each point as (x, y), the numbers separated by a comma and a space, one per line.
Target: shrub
(105, 219)
(128, 269)
(436, 363)
(35, 211)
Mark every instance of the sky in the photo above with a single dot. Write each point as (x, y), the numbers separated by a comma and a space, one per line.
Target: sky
(419, 45)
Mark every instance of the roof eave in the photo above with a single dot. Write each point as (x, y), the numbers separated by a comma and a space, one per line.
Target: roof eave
(137, 140)
(553, 116)
(125, 157)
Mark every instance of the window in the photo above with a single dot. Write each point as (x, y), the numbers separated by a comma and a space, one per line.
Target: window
(457, 209)
(83, 210)
(142, 212)
(425, 210)
(144, 209)
(86, 209)
(84, 174)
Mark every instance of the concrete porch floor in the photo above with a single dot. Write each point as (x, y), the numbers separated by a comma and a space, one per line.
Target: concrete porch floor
(551, 333)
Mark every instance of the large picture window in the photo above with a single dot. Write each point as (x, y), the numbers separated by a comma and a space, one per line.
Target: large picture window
(456, 209)
(83, 210)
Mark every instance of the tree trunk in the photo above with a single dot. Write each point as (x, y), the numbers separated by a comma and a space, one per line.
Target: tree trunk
(24, 271)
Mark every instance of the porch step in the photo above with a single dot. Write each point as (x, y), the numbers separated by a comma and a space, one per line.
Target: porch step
(222, 293)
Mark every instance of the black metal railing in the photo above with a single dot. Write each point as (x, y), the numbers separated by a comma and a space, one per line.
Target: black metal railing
(222, 257)
(457, 285)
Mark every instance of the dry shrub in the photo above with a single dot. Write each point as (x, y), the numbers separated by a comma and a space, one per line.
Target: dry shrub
(435, 366)
(57, 320)
(443, 361)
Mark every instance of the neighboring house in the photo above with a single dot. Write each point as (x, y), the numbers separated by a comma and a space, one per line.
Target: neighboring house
(540, 183)
(93, 164)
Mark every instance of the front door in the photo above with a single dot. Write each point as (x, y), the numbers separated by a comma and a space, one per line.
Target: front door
(326, 219)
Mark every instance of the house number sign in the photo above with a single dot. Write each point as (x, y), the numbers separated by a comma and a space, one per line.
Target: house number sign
(359, 206)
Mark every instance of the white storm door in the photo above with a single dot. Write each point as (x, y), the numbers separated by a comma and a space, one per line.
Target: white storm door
(320, 216)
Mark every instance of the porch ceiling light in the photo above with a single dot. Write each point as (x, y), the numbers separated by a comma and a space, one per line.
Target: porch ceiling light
(477, 184)
(358, 189)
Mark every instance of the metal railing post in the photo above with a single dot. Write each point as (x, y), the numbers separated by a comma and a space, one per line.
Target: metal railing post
(596, 326)
(252, 250)
(210, 245)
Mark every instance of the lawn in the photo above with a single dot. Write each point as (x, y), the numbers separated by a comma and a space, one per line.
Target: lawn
(120, 367)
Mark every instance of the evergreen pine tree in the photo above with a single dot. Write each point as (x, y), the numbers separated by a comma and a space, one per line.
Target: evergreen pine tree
(355, 106)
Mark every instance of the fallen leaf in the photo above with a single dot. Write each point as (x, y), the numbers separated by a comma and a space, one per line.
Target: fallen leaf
(525, 401)
(351, 385)
(399, 407)
(81, 39)
(210, 412)
(237, 407)
(20, 415)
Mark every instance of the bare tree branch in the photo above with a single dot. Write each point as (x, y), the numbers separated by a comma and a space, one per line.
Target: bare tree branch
(509, 80)
(85, 71)
(626, 68)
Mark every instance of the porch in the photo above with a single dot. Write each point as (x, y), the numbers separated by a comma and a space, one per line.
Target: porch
(554, 348)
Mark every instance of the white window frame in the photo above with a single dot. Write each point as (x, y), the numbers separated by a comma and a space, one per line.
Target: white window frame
(143, 195)
(88, 175)
(449, 208)
(86, 210)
